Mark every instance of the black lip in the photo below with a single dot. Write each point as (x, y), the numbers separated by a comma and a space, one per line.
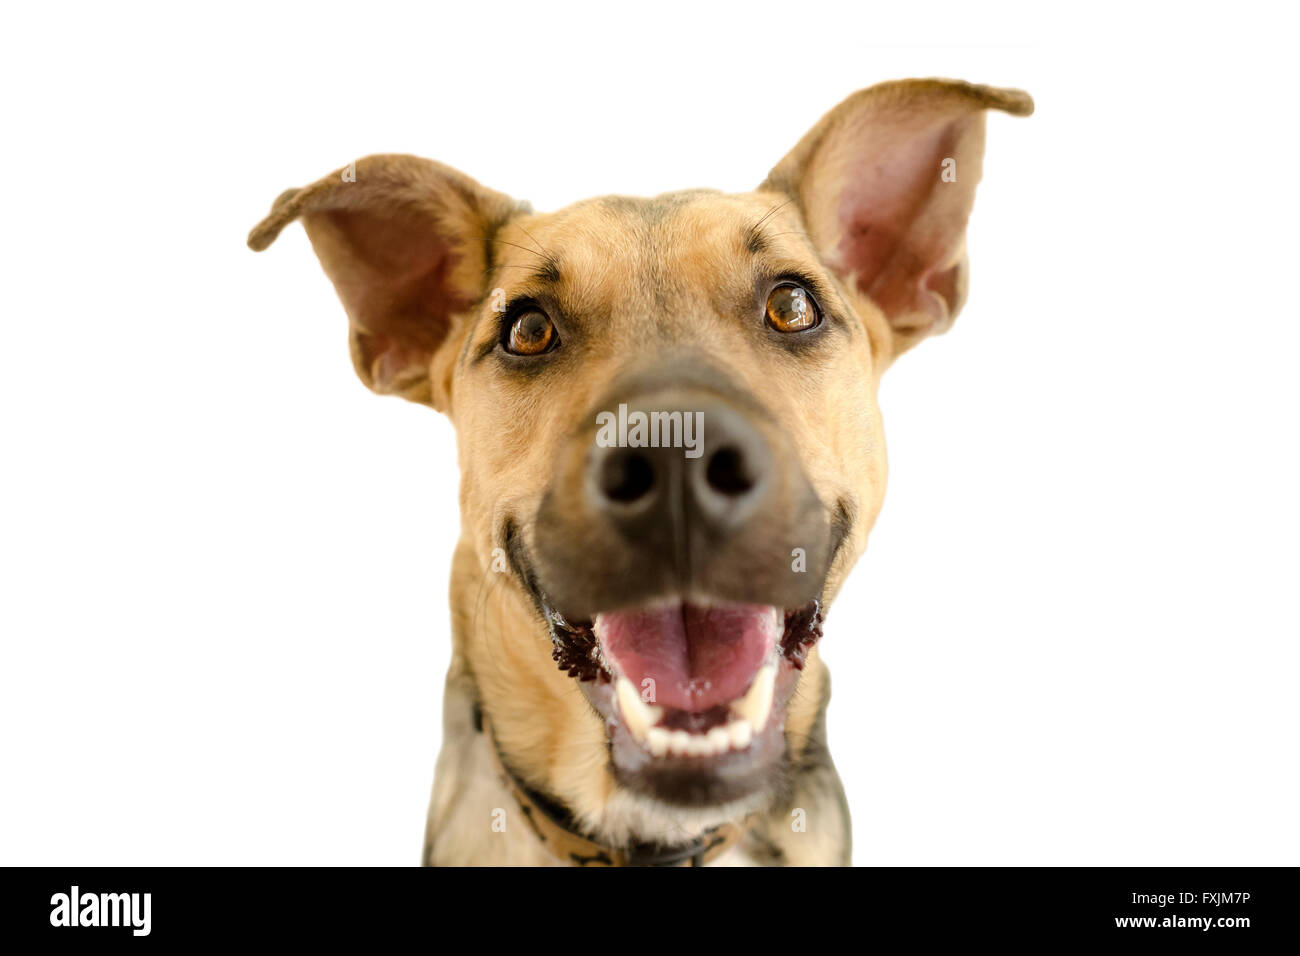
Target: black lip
(517, 557)
(573, 644)
(842, 522)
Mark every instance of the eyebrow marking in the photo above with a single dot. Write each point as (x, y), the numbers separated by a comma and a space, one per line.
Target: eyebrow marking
(755, 240)
(548, 272)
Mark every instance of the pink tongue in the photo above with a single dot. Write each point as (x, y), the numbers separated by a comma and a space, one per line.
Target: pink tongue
(698, 657)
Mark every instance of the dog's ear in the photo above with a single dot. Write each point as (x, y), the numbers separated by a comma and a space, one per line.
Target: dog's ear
(886, 182)
(406, 243)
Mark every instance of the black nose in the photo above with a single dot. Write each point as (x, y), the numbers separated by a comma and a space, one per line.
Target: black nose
(710, 468)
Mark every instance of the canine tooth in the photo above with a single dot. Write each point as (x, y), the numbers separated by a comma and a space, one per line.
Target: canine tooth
(756, 705)
(637, 714)
(739, 732)
(658, 739)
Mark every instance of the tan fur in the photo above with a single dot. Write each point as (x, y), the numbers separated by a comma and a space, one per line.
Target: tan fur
(660, 273)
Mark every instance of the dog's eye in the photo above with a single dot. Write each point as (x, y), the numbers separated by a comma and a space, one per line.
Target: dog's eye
(531, 333)
(791, 309)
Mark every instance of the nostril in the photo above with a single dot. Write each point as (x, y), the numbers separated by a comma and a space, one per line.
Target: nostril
(626, 477)
(727, 474)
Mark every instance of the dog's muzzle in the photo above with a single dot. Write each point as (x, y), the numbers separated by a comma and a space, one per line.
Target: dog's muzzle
(682, 580)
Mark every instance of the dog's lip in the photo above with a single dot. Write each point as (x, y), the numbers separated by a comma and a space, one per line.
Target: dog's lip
(520, 561)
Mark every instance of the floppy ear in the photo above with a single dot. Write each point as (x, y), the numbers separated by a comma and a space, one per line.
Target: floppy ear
(406, 243)
(886, 182)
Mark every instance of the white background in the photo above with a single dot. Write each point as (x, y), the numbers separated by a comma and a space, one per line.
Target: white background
(224, 563)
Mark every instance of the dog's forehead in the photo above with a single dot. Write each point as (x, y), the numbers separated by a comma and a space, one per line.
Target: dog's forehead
(664, 215)
(671, 236)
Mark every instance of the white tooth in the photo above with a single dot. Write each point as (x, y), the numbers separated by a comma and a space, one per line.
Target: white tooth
(679, 741)
(657, 740)
(719, 740)
(637, 714)
(739, 733)
(756, 705)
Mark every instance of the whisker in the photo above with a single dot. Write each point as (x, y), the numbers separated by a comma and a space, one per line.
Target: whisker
(531, 252)
(753, 230)
(539, 246)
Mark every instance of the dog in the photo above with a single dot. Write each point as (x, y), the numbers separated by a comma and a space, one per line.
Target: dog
(671, 455)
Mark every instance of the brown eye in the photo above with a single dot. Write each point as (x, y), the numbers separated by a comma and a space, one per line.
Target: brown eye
(531, 333)
(791, 309)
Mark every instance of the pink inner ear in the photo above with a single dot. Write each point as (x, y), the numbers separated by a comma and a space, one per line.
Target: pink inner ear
(902, 224)
(398, 290)
(390, 362)
(946, 284)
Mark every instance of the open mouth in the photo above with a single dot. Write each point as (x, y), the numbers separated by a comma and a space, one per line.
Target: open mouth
(692, 681)
(693, 693)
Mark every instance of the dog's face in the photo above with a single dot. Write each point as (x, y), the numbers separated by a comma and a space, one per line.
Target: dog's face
(668, 435)
(711, 320)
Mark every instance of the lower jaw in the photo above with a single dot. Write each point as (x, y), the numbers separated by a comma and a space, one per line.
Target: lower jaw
(699, 780)
(669, 755)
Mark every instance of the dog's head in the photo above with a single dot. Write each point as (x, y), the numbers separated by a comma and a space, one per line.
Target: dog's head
(666, 411)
